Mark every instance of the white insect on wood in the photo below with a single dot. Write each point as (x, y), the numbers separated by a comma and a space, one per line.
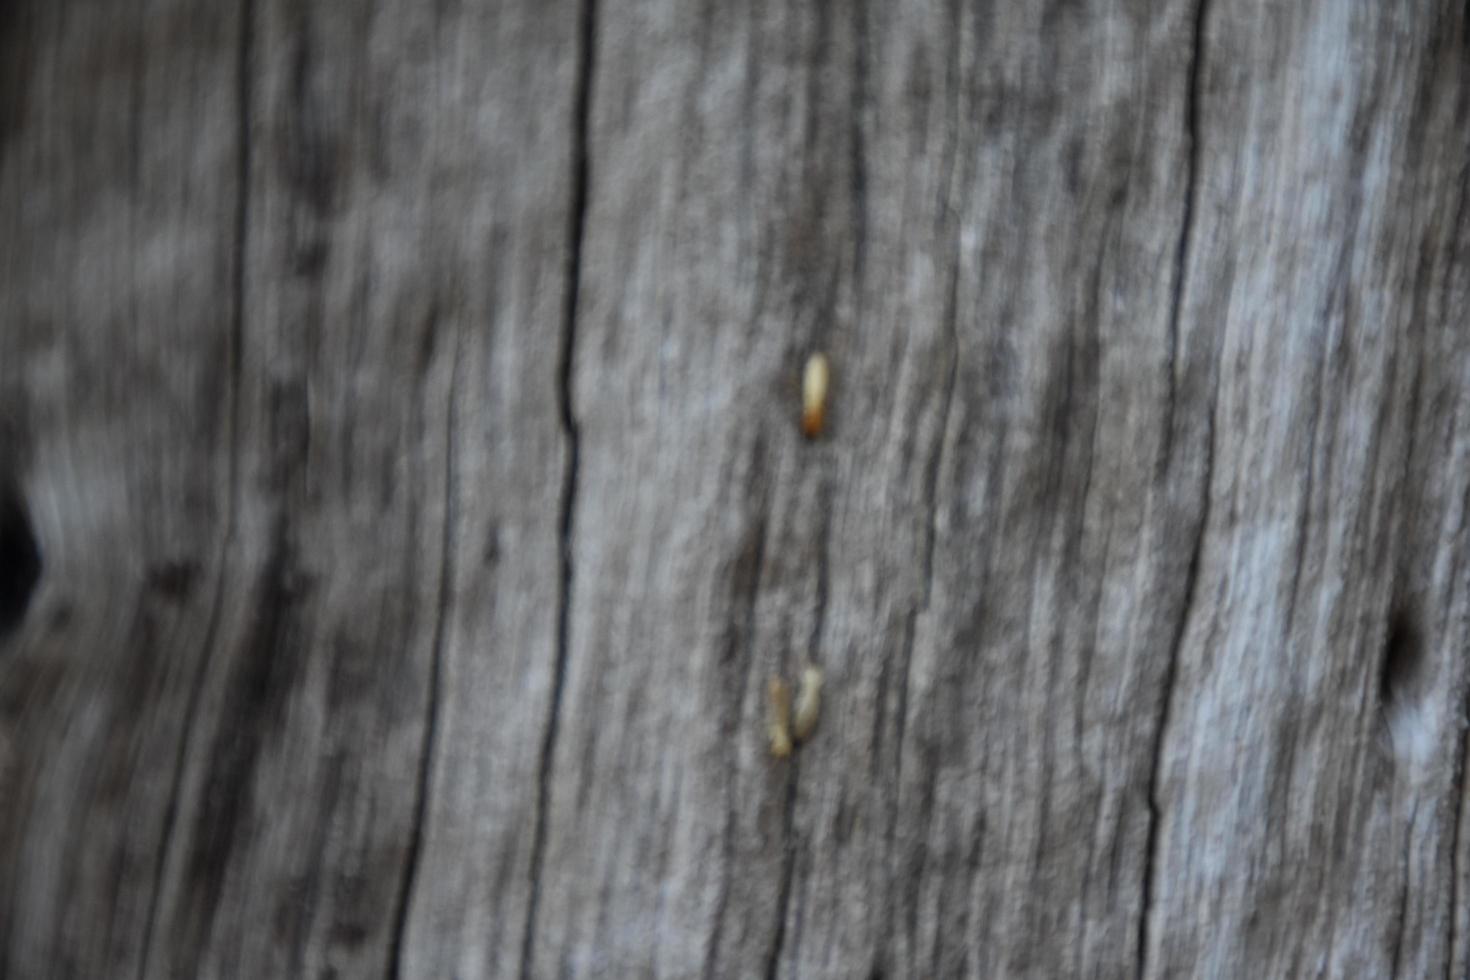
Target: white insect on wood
(814, 382)
(779, 725)
(808, 704)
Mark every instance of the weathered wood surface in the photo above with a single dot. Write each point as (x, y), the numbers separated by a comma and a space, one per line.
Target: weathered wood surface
(401, 401)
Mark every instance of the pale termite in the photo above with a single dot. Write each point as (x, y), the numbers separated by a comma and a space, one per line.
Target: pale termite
(808, 704)
(814, 382)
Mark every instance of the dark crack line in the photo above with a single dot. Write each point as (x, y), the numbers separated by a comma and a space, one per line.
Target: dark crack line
(1155, 809)
(1457, 783)
(732, 727)
(936, 459)
(435, 694)
(245, 73)
(788, 869)
(1186, 232)
(931, 492)
(1304, 511)
(946, 211)
(1397, 947)
(577, 219)
(858, 187)
(824, 576)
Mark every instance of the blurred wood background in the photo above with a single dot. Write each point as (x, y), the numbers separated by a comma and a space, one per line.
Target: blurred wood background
(403, 505)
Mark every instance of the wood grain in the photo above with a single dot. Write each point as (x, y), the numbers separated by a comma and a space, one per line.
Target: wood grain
(118, 283)
(404, 402)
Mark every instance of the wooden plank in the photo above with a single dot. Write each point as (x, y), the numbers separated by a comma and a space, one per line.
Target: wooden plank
(403, 399)
(119, 165)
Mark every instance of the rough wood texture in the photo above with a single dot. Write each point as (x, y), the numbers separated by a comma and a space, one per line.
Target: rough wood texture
(402, 400)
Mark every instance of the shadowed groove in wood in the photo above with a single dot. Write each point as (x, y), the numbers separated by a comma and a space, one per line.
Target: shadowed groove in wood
(239, 297)
(1396, 942)
(1176, 305)
(1191, 192)
(1459, 780)
(931, 489)
(1457, 835)
(581, 124)
(782, 905)
(948, 191)
(745, 591)
(936, 459)
(436, 671)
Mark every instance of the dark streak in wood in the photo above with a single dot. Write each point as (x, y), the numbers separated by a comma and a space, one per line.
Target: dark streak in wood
(1461, 778)
(1191, 580)
(782, 904)
(239, 295)
(436, 684)
(1181, 262)
(581, 162)
(738, 659)
(255, 695)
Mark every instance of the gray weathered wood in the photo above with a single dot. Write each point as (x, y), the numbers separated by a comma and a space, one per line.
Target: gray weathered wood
(119, 165)
(403, 400)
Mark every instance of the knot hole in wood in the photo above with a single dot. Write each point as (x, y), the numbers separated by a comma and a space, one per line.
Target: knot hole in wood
(1406, 681)
(20, 559)
(1401, 675)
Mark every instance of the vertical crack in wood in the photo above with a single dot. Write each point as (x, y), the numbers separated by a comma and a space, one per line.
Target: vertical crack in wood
(1396, 948)
(1155, 808)
(581, 138)
(1457, 774)
(750, 598)
(1457, 787)
(1191, 582)
(788, 867)
(235, 351)
(945, 210)
(931, 492)
(1186, 230)
(858, 175)
(824, 576)
(1314, 420)
(936, 458)
(436, 672)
